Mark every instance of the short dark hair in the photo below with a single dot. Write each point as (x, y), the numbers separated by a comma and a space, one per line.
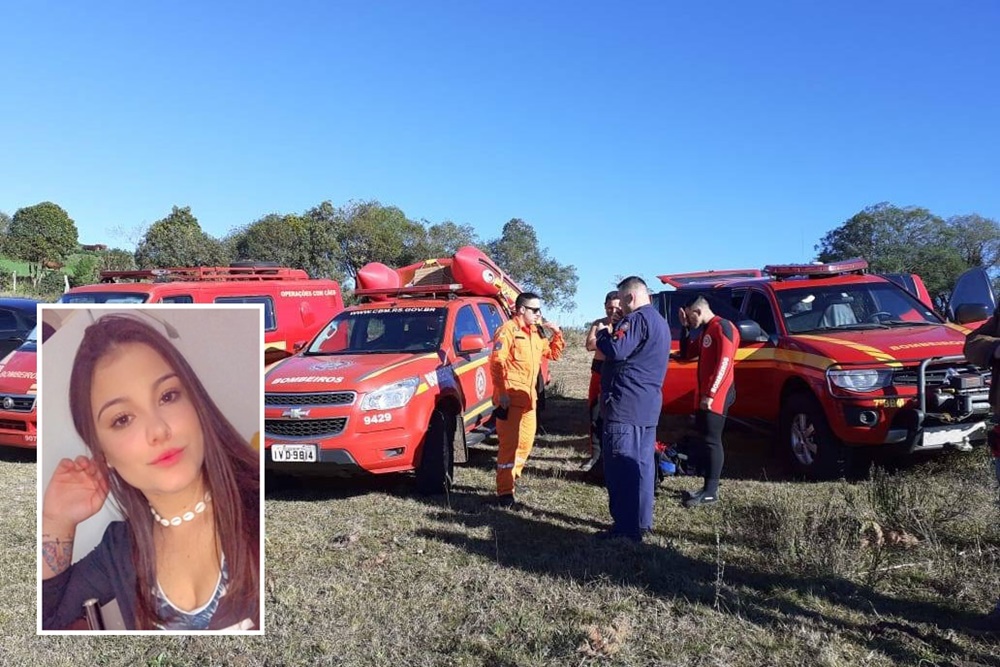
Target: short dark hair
(631, 283)
(699, 300)
(525, 297)
(611, 296)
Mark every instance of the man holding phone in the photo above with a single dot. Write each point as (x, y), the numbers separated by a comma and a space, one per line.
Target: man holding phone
(635, 351)
(518, 349)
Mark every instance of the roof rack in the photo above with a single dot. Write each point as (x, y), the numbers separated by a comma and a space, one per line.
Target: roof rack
(855, 266)
(207, 274)
(418, 290)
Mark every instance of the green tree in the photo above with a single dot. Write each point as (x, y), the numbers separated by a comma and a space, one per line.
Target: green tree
(366, 232)
(39, 234)
(4, 231)
(178, 240)
(900, 240)
(517, 253)
(977, 239)
(86, 271)
(444, 238)
(115, 259)
(290, 240)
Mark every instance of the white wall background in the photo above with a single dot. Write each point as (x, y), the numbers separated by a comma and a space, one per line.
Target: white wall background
(223, 344)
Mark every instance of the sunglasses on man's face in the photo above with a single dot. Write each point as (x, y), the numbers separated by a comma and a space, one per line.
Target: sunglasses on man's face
(536, 311)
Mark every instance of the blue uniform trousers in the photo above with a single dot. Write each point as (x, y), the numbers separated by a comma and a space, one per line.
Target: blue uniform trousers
(630, 475)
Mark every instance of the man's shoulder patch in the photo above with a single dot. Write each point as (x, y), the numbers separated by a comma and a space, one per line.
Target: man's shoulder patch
(706, 340)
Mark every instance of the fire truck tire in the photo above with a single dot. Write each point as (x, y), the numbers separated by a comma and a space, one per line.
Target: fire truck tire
(437, 466)
(814, 451)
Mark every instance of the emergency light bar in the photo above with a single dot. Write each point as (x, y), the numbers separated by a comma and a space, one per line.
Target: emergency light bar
(782, 271)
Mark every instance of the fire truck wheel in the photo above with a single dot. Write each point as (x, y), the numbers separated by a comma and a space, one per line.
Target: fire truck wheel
(815, 452)
(436, 467)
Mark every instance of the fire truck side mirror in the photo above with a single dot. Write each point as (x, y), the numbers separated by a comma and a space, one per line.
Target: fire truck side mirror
(471, 344)
(750, 332)
(971, 312)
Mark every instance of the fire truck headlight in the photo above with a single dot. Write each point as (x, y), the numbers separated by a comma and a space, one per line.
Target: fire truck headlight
(861, 380)
(391, 396)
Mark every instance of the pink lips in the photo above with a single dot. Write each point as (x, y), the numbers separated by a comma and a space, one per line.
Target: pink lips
(168, 458)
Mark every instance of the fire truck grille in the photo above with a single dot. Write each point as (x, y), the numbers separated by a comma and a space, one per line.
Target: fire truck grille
(304, 428)
(17, 403)
(325, 398)
(12, 425)
(939, 375)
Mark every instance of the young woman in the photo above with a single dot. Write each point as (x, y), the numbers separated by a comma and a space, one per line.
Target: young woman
(186, 557)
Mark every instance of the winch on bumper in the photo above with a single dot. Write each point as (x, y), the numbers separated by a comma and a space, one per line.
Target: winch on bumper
(950, 407)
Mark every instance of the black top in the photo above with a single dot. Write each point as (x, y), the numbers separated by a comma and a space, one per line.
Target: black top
(108, 573)
(105, 573)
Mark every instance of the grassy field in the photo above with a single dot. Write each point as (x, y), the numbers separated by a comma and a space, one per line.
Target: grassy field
(888, 571)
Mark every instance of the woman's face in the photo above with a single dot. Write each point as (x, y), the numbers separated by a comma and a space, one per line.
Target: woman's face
(146, 422)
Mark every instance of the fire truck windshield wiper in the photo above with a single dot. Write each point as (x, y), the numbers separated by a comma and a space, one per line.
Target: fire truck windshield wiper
(911, 323)
(849, 327)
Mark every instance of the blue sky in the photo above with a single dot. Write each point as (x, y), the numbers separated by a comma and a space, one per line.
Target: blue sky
(635, 137)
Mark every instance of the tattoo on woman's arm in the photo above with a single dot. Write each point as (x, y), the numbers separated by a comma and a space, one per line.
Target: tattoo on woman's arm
(57, 552)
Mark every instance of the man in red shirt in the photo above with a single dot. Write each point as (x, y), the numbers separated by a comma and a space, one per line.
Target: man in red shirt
(714, 341)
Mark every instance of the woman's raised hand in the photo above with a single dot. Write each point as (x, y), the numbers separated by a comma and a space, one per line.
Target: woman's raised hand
(75, 493)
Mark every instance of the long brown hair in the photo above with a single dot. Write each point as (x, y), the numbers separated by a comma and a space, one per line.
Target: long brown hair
(231, 471)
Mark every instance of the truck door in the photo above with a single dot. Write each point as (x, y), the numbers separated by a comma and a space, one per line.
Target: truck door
(681, 383)
(972, 289)
(756, 387)
(472, 369)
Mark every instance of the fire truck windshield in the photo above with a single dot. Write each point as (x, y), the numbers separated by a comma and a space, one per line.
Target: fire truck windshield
(382, 331)
(869, 305)
(103, 297)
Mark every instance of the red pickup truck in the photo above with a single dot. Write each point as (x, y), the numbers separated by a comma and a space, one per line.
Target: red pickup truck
(833, 357)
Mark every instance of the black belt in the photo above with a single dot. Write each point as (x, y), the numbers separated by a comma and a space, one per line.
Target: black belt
(596, 365)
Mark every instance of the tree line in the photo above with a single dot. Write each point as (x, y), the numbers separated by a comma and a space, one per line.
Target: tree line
(335, 241)
(327, 241)
(911, 239)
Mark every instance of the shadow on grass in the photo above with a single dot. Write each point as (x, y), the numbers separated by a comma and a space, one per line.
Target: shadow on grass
(302, 488)
(527, 539)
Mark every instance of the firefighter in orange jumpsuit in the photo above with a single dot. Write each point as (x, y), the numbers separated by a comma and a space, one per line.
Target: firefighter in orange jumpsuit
(518, 349)
(613, 313)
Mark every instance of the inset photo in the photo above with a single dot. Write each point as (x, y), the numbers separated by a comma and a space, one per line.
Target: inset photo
(150, 507)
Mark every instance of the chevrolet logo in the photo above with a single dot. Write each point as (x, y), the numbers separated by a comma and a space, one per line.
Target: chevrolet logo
(295, 413)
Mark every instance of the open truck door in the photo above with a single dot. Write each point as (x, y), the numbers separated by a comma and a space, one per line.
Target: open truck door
(972, 301)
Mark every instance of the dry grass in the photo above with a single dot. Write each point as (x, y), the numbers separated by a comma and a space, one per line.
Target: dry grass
(884, 572)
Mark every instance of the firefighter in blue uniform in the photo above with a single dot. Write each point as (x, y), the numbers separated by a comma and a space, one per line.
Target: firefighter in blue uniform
(635, 352)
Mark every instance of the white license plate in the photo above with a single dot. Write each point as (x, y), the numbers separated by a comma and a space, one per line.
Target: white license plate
(939, 436)
(293, 453)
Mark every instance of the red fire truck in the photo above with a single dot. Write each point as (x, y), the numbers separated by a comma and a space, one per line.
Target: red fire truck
(833, 357)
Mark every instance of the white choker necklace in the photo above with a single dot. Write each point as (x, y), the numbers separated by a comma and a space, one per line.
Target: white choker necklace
(187, 516)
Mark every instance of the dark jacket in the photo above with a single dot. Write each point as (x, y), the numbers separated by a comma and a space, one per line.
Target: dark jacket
(980, 348)
(108, 573)
(635, 364)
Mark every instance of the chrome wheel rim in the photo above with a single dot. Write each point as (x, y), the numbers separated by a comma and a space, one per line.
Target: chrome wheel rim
(804, 445)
